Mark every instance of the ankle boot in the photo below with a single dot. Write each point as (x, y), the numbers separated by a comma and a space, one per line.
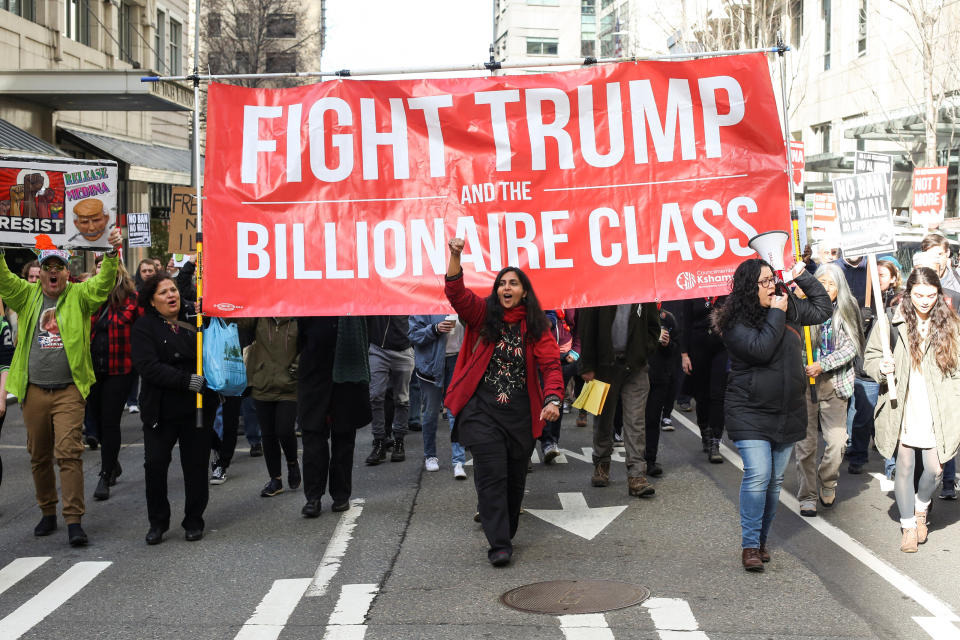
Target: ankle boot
(714, 455)
(398, 455)
(379, 453)
(117, 470)
(102, 492)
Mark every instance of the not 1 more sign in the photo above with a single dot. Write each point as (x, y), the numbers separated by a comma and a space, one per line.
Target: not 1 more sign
(864, 215)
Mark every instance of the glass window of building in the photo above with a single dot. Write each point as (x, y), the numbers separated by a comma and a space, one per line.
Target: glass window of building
(159, 42)
(542, 46)
(176, 48)
(76, 23)
(282, 25)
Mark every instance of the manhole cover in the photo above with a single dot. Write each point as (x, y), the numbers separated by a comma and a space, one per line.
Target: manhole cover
(562, 597)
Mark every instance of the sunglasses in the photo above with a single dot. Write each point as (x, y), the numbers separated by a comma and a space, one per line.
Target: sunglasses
(56, 266)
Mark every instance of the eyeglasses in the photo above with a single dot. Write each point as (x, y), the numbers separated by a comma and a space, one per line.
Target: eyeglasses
(767, 282)
(56, 266)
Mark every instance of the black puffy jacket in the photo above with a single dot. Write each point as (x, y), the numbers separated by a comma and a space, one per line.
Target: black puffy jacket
(766, 388)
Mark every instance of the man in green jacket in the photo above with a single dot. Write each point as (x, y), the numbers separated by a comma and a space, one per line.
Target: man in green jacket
(51, 375)
(615, 342)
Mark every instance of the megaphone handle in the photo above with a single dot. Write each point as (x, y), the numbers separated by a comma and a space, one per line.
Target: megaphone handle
(809, 344)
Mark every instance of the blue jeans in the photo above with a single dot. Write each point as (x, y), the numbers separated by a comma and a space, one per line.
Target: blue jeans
(432, 396)
(865, 394)
(251, 425)
(763, 465)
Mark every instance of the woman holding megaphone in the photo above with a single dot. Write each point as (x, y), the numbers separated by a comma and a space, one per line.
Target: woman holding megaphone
(765, 407)
(496, 394)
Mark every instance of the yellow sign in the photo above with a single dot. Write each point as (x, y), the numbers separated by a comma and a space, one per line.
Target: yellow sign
(593, 397)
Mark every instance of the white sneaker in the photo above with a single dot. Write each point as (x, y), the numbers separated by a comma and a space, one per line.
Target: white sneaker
(432, 464)
(667, 424)
(133, 409)
(550, 452)
(458, 471)
(219, 475)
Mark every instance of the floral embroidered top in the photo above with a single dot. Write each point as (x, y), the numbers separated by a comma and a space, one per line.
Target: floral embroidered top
(506, 373)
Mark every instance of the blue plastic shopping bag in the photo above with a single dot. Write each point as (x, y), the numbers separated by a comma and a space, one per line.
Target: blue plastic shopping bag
(223, 359)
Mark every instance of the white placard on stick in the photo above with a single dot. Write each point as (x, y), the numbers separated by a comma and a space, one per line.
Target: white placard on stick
(138, 230)
(864, 215)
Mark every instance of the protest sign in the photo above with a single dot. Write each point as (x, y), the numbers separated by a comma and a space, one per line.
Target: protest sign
(825, 223)
(74, 202)
(863, 211)
(612, 183)
(797, 163)
(929, 195)
(138, 230)
(183, 220)
(869, 162)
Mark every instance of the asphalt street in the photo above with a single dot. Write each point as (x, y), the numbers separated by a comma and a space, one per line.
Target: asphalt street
(407, 561)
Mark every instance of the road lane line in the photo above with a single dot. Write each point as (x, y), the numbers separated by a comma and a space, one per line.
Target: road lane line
(34, 610)
(336, 548)
(585, 626)
(899, 581)
(274, 610)
(886, 485)
(347, 622)
(938, 628)
(18, 570)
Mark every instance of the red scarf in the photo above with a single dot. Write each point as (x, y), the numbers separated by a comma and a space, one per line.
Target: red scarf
(517, 314)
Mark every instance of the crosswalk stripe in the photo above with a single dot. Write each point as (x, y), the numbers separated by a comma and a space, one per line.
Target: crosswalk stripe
(18, 570)
(31, 612)
(585, 626)
(673, 619)
(348, 617)
(274, 610)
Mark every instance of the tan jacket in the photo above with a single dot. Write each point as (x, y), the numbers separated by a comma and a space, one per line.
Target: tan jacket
(943, 391)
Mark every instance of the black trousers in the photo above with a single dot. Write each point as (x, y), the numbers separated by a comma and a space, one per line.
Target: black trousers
(500, 480)
(105, 404)
(226, 445)
(278, 431)
(329, 436)
(194, 456)
(708, 357)
(659, 404)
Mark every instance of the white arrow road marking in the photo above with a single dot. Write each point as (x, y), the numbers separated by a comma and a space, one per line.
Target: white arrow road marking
(18, 570)
(348, 617)
(336, 548)
(576, 517)
(899, 581)
(885, 485)
(673, 619)
(585, 626)
(274, 610)
(31, 612)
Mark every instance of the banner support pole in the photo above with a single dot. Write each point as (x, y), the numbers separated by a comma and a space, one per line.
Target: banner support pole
(197, 173)
(794, 223)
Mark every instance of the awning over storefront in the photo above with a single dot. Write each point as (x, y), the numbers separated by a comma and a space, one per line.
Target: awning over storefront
(146, 162)
(907, 125)
(95, 90)
(14, 140)
(843, 162)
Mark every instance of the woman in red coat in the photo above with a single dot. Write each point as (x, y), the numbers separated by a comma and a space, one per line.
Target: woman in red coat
(496, 395)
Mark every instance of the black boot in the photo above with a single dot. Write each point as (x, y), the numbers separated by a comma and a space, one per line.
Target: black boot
(398, 454)
(714, 455)
(102, 492)
(379, 453)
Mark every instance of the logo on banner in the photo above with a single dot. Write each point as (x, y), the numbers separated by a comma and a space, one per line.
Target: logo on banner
(226, 306)
(686, 281)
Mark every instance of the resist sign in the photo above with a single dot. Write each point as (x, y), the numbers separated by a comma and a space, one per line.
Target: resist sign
(609, 184)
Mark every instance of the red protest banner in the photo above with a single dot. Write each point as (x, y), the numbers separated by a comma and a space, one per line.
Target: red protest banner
(797, 162)
(929, 195)
(608, 184)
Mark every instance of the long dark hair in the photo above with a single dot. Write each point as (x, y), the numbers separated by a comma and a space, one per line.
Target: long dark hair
(493, 322)
(743, 304)
(944, 324)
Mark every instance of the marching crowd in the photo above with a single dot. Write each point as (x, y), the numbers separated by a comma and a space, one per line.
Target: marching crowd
(499, 373)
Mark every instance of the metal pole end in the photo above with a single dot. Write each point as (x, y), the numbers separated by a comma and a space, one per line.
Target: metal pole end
(589, 60)
(493, 65)
(343, 73)
(781, 46)
(149, 78)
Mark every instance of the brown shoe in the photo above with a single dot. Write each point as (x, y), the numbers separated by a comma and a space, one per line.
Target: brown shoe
(751, 560)
(921, 526)
(582, 418)
(601, 475)
(909, 542)
(639, 487)
(764, 552)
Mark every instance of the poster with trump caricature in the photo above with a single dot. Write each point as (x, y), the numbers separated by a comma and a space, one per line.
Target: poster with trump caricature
(74, 202)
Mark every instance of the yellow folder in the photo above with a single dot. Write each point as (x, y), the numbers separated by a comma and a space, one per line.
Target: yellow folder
(593, 396)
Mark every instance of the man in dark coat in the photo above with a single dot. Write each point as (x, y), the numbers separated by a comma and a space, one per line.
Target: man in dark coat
(616, 342)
